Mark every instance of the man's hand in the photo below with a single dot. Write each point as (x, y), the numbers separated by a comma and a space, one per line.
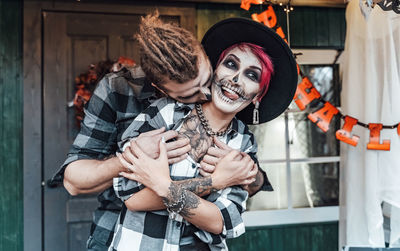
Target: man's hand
(148, 143)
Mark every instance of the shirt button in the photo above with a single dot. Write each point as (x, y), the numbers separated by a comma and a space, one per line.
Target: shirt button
(178, 224)
(194, 165)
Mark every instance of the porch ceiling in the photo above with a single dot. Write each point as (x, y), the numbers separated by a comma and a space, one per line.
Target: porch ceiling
(319, 3)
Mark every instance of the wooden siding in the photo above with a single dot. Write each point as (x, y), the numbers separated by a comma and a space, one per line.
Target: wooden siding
(11, 186)
(310, 27)
(302, 237)
(317, 27)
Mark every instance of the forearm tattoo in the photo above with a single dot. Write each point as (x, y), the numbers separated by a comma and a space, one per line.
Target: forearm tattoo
(200, 186)
(180, 200)
(199, 140)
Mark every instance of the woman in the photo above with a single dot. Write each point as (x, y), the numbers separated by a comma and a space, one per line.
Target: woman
(242, 77)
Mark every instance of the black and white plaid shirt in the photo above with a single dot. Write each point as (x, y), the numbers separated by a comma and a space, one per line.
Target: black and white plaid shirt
(116, 101)
(157, 230)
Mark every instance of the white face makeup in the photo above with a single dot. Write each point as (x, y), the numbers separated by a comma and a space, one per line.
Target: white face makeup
(236, 81)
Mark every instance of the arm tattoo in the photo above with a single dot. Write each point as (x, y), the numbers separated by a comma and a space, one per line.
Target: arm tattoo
(200, 186)
(192, 202)
(181, 200)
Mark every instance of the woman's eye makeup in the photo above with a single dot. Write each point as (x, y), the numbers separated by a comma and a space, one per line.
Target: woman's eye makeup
(252, 75)
(230, 64)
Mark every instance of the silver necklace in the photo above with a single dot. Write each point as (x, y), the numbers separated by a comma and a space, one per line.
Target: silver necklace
(206, 125)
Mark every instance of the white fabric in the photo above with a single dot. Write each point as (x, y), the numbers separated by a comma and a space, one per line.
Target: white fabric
(371, 93)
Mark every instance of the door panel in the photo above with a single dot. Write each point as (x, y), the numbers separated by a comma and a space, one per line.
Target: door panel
(71, 42)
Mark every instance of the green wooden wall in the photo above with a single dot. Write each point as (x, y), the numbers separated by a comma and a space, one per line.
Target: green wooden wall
(301, 237)
(11, 155)
(310, 27)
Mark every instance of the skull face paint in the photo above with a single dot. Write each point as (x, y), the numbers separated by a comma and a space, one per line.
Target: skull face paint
(236, 80)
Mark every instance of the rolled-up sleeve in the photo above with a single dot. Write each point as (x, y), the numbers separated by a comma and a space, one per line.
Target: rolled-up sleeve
(231, 202)
(125, 188)
(97, 137)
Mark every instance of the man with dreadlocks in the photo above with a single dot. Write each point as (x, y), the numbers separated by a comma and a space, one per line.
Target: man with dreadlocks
(119, 97)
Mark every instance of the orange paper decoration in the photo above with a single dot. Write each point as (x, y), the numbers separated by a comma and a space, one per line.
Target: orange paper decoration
(324, 116)
(305, 93)
(374, 138)
(246, 3)
(267, 17)
(344, 134)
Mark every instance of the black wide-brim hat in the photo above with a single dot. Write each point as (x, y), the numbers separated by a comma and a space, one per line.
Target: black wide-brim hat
(283, 83)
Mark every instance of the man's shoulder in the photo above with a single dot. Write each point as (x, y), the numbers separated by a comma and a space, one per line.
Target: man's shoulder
(128, 82)
(131, 73)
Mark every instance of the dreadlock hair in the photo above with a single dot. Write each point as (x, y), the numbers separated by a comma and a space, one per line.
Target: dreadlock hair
(167, 51)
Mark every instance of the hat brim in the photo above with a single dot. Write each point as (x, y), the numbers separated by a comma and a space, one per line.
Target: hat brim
(284, 81)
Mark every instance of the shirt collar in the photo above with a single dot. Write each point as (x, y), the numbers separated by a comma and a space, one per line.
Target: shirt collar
(233, 130)
(186, 108)
(136, 76)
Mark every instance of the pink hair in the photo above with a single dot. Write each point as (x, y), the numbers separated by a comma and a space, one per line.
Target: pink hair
(267, 68)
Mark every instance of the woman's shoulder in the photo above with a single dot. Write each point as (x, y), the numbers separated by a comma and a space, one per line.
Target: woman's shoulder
(240, 127)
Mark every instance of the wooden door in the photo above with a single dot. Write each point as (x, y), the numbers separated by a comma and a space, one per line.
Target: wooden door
(71, 42)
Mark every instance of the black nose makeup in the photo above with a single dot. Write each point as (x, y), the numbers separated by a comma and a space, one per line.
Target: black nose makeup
(235, 78)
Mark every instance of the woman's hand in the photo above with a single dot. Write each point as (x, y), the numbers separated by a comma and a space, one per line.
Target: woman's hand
(153, 173)
(176, 149)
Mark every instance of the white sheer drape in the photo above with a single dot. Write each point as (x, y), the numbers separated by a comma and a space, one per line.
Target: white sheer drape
(371, 93)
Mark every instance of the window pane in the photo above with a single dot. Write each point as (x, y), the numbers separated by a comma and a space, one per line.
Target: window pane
(306, 139)
(315, 185)
(325, 79)
(270, 138)
(271, 200)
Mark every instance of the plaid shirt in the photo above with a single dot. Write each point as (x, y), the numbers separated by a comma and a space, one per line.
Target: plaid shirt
(156, 230)
(116, 101)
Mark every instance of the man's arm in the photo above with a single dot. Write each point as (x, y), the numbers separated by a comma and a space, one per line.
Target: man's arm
(91, 176)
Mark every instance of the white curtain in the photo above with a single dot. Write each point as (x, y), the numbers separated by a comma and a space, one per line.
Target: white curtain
(371, 93)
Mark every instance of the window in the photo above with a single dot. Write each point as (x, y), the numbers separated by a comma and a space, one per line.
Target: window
(301, 161)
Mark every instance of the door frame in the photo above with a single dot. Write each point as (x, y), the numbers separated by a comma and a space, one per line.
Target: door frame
(33, 92)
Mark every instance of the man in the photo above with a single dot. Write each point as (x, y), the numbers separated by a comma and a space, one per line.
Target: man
(118, 99)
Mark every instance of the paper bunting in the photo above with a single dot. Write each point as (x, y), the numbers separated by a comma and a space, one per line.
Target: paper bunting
(344, 134)
(374, 138)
